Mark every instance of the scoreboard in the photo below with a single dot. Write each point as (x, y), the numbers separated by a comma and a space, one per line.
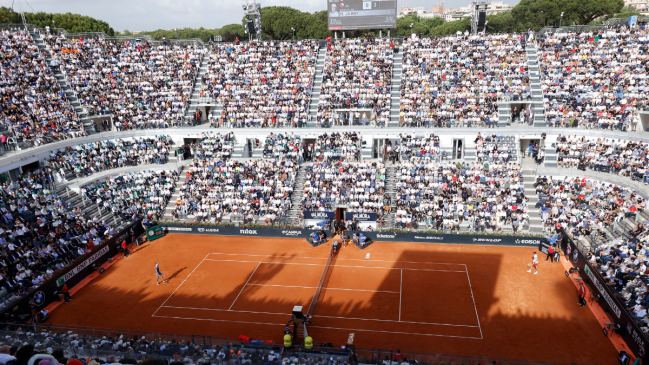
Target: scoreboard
(362, 14)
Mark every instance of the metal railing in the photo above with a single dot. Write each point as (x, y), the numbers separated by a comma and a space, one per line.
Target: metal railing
(569, 28)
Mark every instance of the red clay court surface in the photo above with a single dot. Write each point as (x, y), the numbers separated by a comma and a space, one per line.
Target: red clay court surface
(453, 299)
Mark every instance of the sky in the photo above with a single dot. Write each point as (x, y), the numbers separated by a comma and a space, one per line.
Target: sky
(144, 15)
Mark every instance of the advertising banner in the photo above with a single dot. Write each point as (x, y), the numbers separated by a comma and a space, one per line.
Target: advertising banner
(320, 216)
(360, 217)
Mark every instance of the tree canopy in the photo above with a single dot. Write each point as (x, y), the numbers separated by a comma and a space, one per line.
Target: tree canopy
(73, 23)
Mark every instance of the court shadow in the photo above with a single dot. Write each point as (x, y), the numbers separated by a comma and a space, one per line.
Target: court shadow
(453, 299)
(175, 274)
(140, 248)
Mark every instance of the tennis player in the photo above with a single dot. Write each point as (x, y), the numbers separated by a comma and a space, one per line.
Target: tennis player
(158, 274)
(534, 264)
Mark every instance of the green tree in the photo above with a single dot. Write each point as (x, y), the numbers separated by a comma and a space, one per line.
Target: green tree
(586, 11)
(73, 23)
(229, 32)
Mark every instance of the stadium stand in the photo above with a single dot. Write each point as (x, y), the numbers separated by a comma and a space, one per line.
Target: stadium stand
(142, 85)
(575, 69)
(213, 146)
(37, 222)
(284, 146)
(135, 194)
(34, 110)
(358, 185)
(262, 85)
(445, 195)
(456, 81)
(357, 74)
(344, 146)
(580, 205)
(89, 158)
(250, 191)
(621, 157)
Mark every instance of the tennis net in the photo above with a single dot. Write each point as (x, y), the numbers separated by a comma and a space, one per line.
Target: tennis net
(316, 296)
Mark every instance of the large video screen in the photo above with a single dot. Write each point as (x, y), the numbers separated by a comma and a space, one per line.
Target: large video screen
(362, 14)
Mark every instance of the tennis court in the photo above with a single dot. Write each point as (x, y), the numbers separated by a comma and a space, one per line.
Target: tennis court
(356, 294)
(451, 299)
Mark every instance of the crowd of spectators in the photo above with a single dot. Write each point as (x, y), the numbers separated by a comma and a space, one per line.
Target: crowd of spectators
(622, 157)
(283, 146)
(359, 185)
(19, 344)
(265, 84)
(580, 205)
(488, 196)
(594, 78)
(623, 266)
(33, 108)
(40, 233)
(456, 81)
(357, 74)
(336, 146)
(134, 194)
(414, 147)
(142, 85)
(495, 148)
(253, 190)
(89, 158)
(213, 146)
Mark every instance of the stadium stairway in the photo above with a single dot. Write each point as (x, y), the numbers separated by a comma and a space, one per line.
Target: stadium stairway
(503, 113)
(317, 86)
(172, 201)
(196, 92)
(535, 83)
(391, 191)
(293, 215)
(550, 159)
(395, 89)
(81, 113)
(535, 223)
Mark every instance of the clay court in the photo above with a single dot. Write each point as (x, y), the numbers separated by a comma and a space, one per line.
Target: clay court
(453, 299)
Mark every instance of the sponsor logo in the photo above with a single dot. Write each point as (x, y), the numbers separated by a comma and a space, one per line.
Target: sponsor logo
(86, 263)
(429, 238)
(320, 214)
(629, 327)
(523, 242)
(291, 233)
(209, 230)
(637, 338)
(39, 298)
(182, 229)
(575, 256)
(604, 293)
(248, 231)
(122, 237)
(487, 239)
(381, 235)
(151, 233)
(360, 216)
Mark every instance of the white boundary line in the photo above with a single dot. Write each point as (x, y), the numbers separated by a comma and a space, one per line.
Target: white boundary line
(315, 287)
(473, 298)
(244, 285)
(361, 267)
(334, 317)
(339, 259)
(335, 328)
(400, 290)
(181, 284)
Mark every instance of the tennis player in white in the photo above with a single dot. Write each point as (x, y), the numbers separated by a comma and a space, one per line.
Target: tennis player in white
(158, 274)
(534, 264)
